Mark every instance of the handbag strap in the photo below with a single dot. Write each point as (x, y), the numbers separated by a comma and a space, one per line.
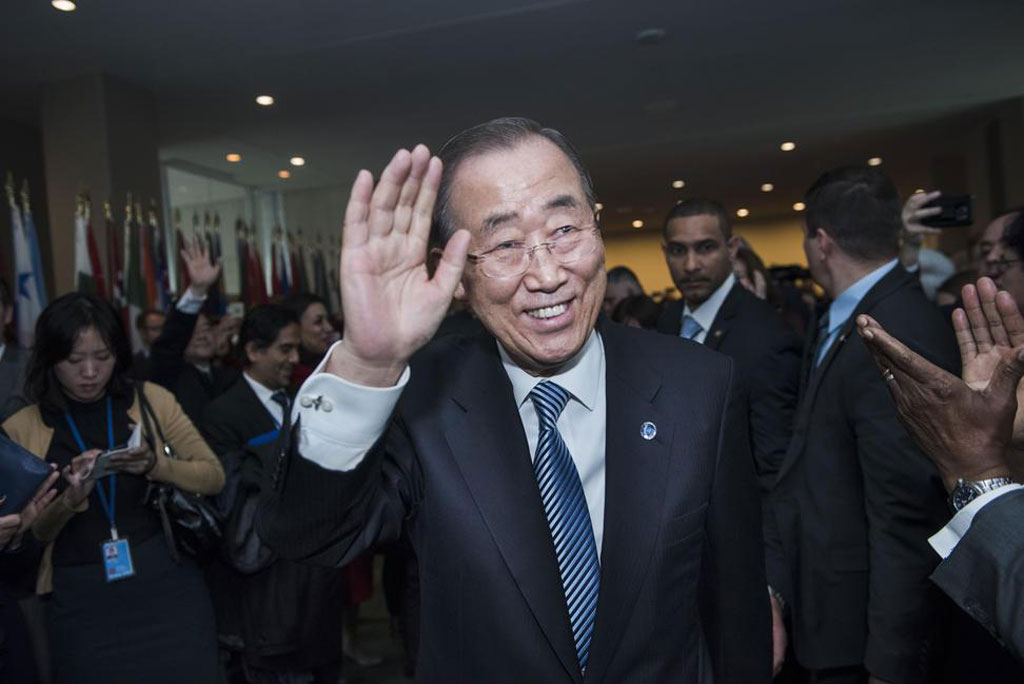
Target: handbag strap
(149, 422)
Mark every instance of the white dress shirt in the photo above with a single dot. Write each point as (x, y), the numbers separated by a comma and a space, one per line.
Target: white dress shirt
(705, 313)
(342, 444)
(265, 395)
(946, 539)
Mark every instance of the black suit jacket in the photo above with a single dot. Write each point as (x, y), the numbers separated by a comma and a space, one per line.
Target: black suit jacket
(682, 594)
(985, 573)
(167, 366)
(287, 615)
(13, 366)
(856, 500)
(768, 355)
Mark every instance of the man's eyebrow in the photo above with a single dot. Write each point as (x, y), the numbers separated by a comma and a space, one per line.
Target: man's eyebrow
(562, 202)
(495, 220)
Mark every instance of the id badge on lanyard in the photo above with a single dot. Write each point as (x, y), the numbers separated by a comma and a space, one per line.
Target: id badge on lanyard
(117, 554)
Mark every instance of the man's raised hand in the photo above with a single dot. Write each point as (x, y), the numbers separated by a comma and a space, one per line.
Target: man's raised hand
(392, 305)
(202, 272)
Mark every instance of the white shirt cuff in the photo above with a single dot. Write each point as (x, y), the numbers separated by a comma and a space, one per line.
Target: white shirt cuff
(946, 539)
(341, 420)
(190, 302)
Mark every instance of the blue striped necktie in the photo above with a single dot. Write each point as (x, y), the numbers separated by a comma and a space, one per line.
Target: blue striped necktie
(568, 517)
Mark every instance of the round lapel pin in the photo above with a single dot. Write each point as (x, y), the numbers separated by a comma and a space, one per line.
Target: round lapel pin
(648, 430)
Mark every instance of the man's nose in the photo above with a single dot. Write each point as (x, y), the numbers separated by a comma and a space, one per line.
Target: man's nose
(690, 262)
(544, 270)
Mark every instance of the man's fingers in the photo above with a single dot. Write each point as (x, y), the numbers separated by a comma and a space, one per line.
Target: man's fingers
(964, 337)
(423, 211)
(1011, 317)
(358, 210)
(453, 262)
(987, 295)
(385, 195)
(900, 358)
(1007, 375)
(419, 162)
(976, 317)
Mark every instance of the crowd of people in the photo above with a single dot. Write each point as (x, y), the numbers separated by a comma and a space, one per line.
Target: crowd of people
(780, 476)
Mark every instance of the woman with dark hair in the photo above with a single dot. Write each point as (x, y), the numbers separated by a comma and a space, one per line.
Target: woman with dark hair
(120, 608)
(316, 332)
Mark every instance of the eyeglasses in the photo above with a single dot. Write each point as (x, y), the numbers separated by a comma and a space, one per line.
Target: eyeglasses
(512, 258)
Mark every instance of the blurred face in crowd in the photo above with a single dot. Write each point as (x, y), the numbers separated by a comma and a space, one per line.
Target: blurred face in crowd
(990, 239)
(203, 345)
(85, 373)
(316, 330)
(528, 195)
(699, 256)
(272, 366)
(151, 328)
(1003, 264)
(616, 291)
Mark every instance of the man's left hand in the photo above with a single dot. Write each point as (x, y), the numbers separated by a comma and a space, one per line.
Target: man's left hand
(964, 430)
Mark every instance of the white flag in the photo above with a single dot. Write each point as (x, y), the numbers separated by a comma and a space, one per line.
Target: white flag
(84, 281)
(26, 296)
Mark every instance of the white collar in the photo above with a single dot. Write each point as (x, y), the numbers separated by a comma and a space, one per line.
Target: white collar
(263, 393)
(705, 313)
(581, 375)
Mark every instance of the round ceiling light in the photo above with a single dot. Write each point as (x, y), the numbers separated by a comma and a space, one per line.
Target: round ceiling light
(875, 161)
(638, 223)
(297, 161)
(64, 5)
(678, 184)
(787, 146)
(799, 206)
(284, 174)
(767, 187)
(743, 213)
(598, 207)
(265, 100)
(233, 157)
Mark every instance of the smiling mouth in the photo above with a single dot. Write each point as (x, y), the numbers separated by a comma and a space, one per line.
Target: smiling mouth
(545, 312)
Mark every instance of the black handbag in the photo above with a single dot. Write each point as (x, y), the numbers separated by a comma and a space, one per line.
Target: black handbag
(21, 474)
(190, 521)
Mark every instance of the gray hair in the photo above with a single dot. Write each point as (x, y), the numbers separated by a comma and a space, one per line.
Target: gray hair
(497, 134)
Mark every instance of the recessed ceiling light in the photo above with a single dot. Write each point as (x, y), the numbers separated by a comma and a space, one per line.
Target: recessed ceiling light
(677, 184)
(297, 161)
(919, 191)
(233, 157)
(767, 187)
(743, 213)
(265, 100)
(284, 173)
(598, 207)
(787, 146)
(64, 5)
(799, 206)
(638, 223)
(875, 161)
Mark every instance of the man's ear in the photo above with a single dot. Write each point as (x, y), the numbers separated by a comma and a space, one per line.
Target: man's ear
(824, 243)
(249, 351)
(733, 244)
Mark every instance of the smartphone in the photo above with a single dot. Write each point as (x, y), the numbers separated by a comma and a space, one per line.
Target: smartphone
(101, 467)
(957, 212)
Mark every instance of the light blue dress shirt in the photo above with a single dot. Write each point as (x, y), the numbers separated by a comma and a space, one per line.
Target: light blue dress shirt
(846, 303)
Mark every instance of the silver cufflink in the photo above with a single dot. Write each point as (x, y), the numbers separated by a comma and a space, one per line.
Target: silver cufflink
(648, 430)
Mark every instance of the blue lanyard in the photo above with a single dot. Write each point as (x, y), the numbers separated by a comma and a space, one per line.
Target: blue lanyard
(109, 506)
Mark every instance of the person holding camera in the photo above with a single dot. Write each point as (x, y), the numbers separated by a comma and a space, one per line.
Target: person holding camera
(120, 608)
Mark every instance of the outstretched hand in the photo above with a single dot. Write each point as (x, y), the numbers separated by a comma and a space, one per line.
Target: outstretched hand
(202, 272)
(392, 305)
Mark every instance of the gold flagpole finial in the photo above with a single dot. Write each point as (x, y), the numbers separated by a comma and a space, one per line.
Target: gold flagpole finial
(25, 195)
(128, 207)
(108, 211)
(9, 187)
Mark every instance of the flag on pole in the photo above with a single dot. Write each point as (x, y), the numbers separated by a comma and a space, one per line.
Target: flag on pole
(135, 286)
(84, 281)
(114, 259)
(27, 304)
(33, 244)
(147, 269)
(160, 275)
(259, 278)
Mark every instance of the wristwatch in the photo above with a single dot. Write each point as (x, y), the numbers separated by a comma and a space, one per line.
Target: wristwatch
(966, 491)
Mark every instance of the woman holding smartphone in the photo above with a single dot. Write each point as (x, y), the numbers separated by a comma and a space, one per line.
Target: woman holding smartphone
(120, 608)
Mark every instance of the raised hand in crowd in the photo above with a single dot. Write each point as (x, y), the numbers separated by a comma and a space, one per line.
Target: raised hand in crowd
(13, 527)
(76, 475)
(202, 272)
(965, 425)
(392, 305)
(914, 211)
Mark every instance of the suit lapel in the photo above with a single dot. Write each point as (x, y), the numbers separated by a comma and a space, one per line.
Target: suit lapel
(484, 430)
(635, 476)
(723, 319)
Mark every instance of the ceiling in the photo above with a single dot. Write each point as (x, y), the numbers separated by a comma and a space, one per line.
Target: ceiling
(845, 79)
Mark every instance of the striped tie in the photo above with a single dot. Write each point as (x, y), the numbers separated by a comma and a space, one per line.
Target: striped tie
(568, 517)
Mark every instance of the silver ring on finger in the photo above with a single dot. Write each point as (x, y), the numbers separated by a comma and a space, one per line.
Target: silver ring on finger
(888, 376)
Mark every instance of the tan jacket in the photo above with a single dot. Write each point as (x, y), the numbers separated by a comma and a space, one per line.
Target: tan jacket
(196, 468)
